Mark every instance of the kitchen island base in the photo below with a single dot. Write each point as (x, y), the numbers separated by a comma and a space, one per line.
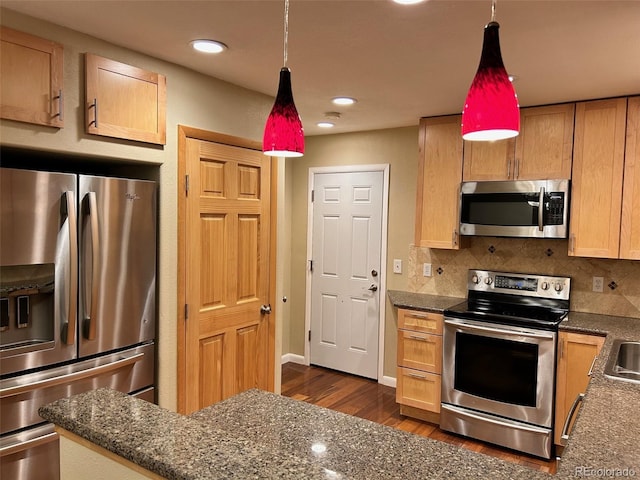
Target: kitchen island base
(81, 459)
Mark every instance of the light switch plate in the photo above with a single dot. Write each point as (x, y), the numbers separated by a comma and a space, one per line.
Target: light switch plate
(426, 269)
(397, 265)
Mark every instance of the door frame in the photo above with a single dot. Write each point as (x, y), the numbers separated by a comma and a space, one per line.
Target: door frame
(384, 168)
(185, 132)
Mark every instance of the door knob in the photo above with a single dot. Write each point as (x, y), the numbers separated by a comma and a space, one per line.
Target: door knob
(373, 287)
(265, 309)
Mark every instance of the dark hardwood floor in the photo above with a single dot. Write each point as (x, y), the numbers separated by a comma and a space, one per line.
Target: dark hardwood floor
(368, 399)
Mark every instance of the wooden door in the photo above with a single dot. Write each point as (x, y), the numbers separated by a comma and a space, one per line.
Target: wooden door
(596, 185)
(630, 229)
(489, 160)
(439, 176)
(576, 354)
(226, 338)
(346, 253)
(544, 147)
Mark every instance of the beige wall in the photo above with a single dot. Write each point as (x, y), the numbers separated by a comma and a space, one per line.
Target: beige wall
(399, 149)
(192, 99)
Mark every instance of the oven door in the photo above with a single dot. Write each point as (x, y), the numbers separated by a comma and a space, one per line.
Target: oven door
(499, 369)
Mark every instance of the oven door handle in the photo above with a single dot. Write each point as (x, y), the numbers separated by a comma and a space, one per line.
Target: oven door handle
(523, 333)
(495, 421)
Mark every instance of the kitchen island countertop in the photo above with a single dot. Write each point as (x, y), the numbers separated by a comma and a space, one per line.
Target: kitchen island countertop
(261, 435)
(258, 434)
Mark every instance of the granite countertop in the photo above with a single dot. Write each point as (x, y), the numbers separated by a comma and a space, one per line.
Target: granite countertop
(261, 435)
(422, 301)
(606, 432)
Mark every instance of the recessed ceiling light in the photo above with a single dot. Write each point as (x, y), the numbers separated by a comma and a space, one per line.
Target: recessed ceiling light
(408, 2)
(344, 100)
(208, 46)
(325, 124)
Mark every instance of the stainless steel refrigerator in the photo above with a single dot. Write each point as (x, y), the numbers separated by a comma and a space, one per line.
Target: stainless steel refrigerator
(77, 301)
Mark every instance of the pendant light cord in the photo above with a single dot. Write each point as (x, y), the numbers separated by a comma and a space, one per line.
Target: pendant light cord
(493, 10)
(286, 29)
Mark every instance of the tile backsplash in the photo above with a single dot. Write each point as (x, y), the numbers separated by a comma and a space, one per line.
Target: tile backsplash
(621, 295)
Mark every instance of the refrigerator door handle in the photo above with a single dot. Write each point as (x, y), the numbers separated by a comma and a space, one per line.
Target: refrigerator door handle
(33, 443)
(71, 377)
(73, 267)
(91, 320)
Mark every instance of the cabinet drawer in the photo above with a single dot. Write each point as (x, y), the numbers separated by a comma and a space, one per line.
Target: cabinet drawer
(419, 321)
(418, 389)
(421, 351)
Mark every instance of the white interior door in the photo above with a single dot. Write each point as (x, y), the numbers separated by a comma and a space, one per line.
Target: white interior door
(345, 276)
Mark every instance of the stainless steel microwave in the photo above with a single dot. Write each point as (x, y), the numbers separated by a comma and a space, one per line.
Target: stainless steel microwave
(521, 208)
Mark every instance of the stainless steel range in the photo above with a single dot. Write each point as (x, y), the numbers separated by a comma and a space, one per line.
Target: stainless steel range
(498, 370)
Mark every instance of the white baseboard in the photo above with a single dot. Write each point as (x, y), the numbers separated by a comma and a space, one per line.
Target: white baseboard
(293, 358)
(388, 381)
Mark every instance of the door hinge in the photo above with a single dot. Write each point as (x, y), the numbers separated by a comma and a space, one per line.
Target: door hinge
(313, 195)
(309, 335)
(311, 265)
(186, 311)
(186, 184)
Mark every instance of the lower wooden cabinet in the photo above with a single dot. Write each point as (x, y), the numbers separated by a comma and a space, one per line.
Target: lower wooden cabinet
(576, 356)
(420, 351)
(418, 389)
(419, 363)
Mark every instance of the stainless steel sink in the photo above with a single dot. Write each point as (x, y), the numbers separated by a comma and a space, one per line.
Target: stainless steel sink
(624, 361)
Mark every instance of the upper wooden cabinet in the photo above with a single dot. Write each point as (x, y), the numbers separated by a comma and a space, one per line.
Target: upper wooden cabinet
(545, 144)
(124, 101)
(541, 151)
(32, 79)
(630, 229)
(488, 160)
(439, 176)
(596, 186)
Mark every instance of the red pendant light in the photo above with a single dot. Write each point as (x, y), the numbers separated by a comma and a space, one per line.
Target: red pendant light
(491, 110)
(283, 132)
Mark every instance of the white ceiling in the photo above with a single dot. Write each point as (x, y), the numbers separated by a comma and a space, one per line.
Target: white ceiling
(400, 62)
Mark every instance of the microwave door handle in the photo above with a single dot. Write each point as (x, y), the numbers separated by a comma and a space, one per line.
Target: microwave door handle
(95, 264)
(541, 210)
(73, 267)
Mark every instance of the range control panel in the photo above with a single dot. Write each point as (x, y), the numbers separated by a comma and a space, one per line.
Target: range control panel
(523, 284)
